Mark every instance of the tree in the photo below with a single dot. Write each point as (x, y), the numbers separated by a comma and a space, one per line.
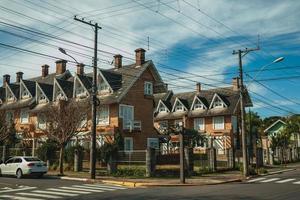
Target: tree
(64, 120)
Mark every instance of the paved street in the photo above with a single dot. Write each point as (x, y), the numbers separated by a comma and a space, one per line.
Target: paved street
(280, 186)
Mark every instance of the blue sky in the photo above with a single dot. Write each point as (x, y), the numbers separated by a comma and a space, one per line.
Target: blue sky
(194, 36)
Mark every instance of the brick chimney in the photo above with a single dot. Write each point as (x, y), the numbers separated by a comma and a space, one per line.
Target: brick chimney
(235, 84)
(45, 70)
(118, 61)
(61, 66)
(198, 87)
(139, 56)
(80, 68)
(6, 79)
(19, 76)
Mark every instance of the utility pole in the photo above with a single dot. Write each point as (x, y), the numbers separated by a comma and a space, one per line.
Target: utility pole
(95, 100)
(181, 149)
(242, 53)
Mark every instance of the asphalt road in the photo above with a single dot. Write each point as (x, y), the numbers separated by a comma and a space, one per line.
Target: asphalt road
(280, 186)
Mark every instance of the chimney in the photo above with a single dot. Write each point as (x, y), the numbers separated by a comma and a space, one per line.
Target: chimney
(19, 76)
(45, 70)
(118, 61)
(80, 68)
(139, 56)
(61, 66)
(198, 87)
(6, 79)
(235, 84)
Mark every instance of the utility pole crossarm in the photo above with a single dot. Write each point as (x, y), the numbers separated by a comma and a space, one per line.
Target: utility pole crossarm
(88, 23)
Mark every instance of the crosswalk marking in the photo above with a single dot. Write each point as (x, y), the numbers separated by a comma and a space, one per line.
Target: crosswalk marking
(82, 189)
(18, 198)
(107, 186)
(69, 191)
(298, 182)
(55, 193)
(286, 180)
(93, 188)
(39, 195)
(19, 189)
(255, 180)
(270, 180)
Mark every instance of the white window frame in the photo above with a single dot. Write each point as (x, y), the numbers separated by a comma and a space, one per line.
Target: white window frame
(201, 127)
(121, 115)
(24, 120)
(215, 125)
(40, 125)
(165, 122)
(150, 140)
(126, 149)
(178, 121)
(148, 88)
(99, 119)
(103, 87)
(9, 114)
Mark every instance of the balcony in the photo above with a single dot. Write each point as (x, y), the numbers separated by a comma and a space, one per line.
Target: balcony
(133, 126)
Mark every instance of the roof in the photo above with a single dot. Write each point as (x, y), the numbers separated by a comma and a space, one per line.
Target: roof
(86, 80)
(15, 88)
(50, 77)
(66, 86)
(113, 79)
(2, 93)
(274, 124)
(30, 85)
(47, 89)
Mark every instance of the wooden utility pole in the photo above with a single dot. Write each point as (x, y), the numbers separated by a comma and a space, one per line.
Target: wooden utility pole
(242, 53)
(182, 165)
(95, 100)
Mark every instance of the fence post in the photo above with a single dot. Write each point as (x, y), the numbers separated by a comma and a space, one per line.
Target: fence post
(212, 159)
(112, 165)
(230, 158)
(150, 162)
(189, 160)
(259, 157)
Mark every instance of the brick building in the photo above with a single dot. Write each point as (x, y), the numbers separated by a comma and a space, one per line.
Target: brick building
(213, 112)
(125, 93)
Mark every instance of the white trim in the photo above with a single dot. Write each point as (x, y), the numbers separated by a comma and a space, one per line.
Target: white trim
(279, 120)
(174, 105)
(150, 83)
(131, 143)
(23, 84)
(27, 112)
(214, 123)
(36, 95)
(125, 105)
(98, 115)
(149, 142)
(203, 119)
(213, 100)
(159, 102)
(54, 90)
(98, 82)
(197, 98)
(8, 87)
(74, 86)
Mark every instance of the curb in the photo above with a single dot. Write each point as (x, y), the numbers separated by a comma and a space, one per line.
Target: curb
(272, 173)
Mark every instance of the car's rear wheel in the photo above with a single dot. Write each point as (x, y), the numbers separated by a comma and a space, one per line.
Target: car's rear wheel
(19, 173)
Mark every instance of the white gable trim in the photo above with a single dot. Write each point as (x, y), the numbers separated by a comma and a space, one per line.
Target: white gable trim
(74, 86)
(6, 92)
(56, 84)
(174, 105)
(213, 100)
(279, 120)
(100, 73)
(23, 84)
(158, 105)
(194, 101)
(39, 87)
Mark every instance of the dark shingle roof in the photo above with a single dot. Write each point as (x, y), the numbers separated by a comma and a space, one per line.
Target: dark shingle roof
(50, 77)
(86, 80)
(15, 88)
(113, 79)
(66, 86)
(30, 86)
(2, 93)
(47, 89)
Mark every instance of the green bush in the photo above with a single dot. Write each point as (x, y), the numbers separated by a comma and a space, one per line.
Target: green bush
(47, 151)
(130, 172)
(262, 170)
(70, 151)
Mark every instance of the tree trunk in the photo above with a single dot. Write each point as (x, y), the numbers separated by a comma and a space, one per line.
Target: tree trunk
(61, 160)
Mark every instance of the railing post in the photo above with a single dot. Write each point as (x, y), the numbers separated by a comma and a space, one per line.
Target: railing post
(212, 159)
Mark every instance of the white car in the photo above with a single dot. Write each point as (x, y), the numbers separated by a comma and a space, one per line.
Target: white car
(23, 165)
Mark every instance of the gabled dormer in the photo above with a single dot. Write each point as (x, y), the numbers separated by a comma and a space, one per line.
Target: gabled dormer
(41, 96)
(79, 89)
(198, 104)
(178, 106)
(10, 96)
(217, 102)
(103, 85)
(24, 91)
(161, 107)
(58, 92)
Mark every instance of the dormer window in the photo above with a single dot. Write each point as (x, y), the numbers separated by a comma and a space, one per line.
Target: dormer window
(42, 99)
(198, 105)
(25, 94)
(80, 92)
(179, 107)
(162, 107)
(217, 102)
(60, 96)
(10, 97)
(103, 87)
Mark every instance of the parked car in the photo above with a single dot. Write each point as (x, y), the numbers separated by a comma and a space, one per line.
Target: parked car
(23, 165)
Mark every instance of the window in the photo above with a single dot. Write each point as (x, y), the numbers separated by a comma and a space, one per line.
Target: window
(198, 105)
(18, 160)
(41, 122)
(148, 88)
(163, 125)
(24, 116)
(9, 117)
(218, 123)
(128, 144)
(103, 115)
(103, 87)
(162, 108)
(199, 124)
(60, 96)
(153, 143)
(179, 106)
(218, 103)
(126, 112)
(25, 94)
(178, 123)
(9, 161)
(42, 99)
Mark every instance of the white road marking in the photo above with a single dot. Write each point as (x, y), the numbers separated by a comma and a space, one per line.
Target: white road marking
(19, 189)
(40, 195)
(69, 191)
(18, 198)
(286, 180)
(55, 193)
(91, 187)
(107, 186)
(257, 179)
(298, 182)
(270, 180)
(81, 189)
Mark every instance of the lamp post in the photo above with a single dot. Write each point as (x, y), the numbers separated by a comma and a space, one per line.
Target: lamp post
(64, 52)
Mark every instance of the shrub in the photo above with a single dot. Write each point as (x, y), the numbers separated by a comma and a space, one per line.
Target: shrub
(47, 151)
(130, 172)
(70, 151)
(262, 170)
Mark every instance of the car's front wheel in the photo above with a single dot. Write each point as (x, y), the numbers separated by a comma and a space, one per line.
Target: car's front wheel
(19, 173)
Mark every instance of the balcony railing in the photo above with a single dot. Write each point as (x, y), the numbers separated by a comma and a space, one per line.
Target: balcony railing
(133, 126)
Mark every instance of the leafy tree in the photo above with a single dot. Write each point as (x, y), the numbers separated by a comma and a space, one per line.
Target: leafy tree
(8, 136)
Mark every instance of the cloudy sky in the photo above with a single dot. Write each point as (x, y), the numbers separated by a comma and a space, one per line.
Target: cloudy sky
(188, 40)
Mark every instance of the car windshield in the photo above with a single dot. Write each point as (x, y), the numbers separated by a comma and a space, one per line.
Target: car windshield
(32, 159)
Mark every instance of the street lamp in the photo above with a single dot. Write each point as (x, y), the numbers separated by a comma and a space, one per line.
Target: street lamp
(277, 60)
(64, 52)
